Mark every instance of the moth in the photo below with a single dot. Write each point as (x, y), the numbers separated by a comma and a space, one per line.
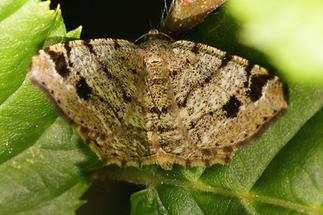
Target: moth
(158, 101)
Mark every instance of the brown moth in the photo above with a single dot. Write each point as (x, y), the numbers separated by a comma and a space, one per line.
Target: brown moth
(158, 101)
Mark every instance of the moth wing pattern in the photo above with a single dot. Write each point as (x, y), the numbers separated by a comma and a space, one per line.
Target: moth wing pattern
(221, 101)
(158, 101)
(93, 83)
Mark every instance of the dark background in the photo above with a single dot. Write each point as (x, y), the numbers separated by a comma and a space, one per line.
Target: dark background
(125, 19)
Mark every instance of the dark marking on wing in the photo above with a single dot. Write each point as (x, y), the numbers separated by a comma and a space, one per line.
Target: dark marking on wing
(164, 109)
(228, 149)
(162, 128)
(207, 80)
(102, 136)
(188, 163)
(194, 87)
(162, 144)
(60, 62)
(126, 97)
(83, 89)
(173, 73)
(107, 72)
(207, 162)
(225, 60)
(158, 81)
(154, 110)
(192, 124)
(195, 48)
(206, 152)
(116, 44)
(232, 107)
(97, 145)
(84, 130)
(110, 76)
(68, 49)
(123, 162)
(87, 44)
(257, 83)
(227, 158)
(133, 71)
(68, 53)
(109, 106)
(248, 69)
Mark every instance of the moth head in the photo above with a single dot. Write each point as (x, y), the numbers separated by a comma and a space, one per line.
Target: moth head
(152, 35)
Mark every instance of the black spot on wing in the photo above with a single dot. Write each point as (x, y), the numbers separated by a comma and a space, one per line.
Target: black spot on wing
(68, 49)
(192, 124)
(164, 109)
(87, 44)
(116, 44)
(154, 110)
(225, 60)
(206, 152)
(60, 62)
(126, 97)
(173, 73)
(195, 48)
(83, 89)
(133, 71)
(257, 84)
(232, 107)
(68, 53)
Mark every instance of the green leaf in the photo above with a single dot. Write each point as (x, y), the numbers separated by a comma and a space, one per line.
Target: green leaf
(8, 7)
(45, 174)
(44, 165)
(22, 34)
(147, 202)
(288, 33)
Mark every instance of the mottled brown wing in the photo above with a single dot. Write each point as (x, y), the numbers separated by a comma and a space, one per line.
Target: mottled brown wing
(95, 84)
(160, 102)
(220, 102)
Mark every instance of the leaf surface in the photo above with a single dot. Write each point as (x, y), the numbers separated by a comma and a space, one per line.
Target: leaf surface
(288, 33)
(44, 165)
